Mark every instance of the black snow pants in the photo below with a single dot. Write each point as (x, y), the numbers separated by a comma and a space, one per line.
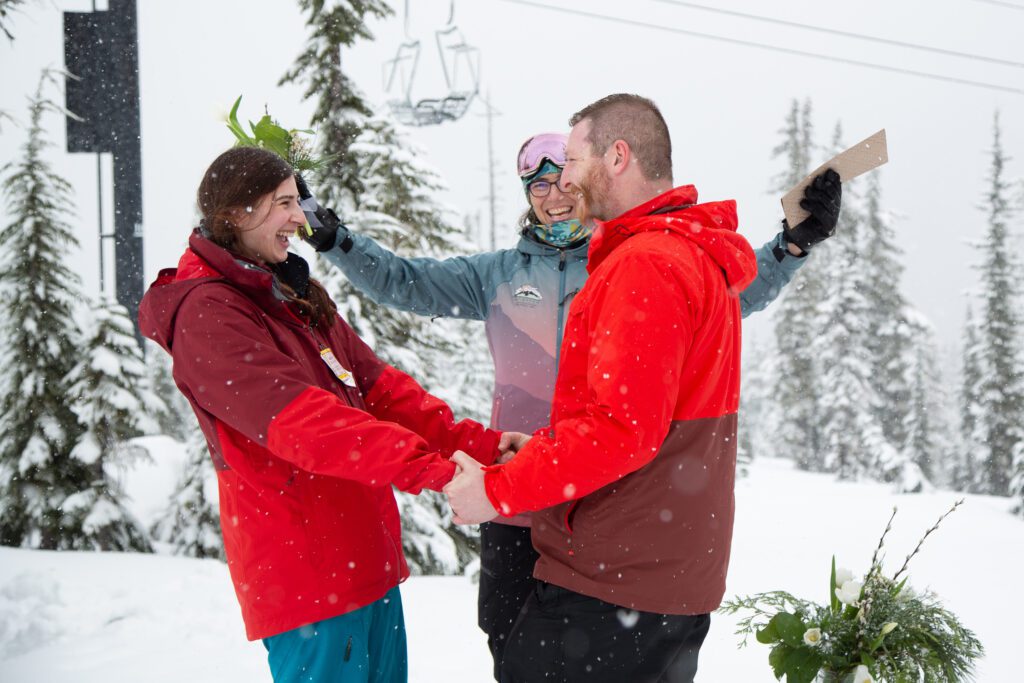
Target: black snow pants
(507, 558)
(565, 637)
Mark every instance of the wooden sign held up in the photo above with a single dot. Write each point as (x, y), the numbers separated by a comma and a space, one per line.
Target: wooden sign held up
(861, 158)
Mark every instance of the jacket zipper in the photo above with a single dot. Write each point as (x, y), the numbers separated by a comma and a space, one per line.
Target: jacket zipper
(396, 553)
(568, 526)
(561, 308)
(558, 360)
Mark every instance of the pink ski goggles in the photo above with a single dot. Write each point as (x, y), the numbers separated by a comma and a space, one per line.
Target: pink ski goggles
(534, 151)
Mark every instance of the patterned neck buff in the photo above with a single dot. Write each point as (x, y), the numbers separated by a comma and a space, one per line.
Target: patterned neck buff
(562, 233)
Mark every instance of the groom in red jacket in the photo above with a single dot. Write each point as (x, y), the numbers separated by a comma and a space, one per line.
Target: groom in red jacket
(632, 484)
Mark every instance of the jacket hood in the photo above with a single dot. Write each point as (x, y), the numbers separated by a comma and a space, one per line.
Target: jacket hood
(202, 263)
(711, 226)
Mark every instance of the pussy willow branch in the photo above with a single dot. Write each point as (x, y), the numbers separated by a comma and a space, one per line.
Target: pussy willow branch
(876, 562)
(906, 562)
(874, 571)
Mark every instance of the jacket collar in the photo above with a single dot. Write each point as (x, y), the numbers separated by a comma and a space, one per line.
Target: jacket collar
(205, 260)
(711, 226)
(529, 244)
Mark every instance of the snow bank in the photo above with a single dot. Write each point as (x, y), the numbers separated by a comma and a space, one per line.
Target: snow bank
(108, 617)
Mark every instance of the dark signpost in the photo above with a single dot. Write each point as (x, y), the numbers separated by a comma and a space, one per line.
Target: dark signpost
(101, 54)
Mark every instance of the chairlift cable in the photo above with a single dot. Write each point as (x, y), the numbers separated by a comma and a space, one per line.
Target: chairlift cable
(1000, 3)
(775, 48)
(849, 34)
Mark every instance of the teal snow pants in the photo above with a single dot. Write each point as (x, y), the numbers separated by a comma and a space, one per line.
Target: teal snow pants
(364, 646)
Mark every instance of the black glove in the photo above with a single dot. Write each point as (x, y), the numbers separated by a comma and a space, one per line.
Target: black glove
(822, 198)
(322, 224)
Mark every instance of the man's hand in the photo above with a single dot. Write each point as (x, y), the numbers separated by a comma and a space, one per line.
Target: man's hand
(466, 492)
(509, 444)
(822, 198)
(322, 224)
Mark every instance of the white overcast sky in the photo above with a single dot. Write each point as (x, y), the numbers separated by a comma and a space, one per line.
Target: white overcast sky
(724, 103)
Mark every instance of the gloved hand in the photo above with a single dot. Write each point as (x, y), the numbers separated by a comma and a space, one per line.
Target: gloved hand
(322, 224)
(822, 198)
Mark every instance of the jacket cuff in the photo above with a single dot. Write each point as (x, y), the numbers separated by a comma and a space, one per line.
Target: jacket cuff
(487, 451)
(435, 479)
(780, 250)
(496, 488)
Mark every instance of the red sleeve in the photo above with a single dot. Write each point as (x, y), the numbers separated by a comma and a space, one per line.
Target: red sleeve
(392, 395)
(228, 363)
(638, 322)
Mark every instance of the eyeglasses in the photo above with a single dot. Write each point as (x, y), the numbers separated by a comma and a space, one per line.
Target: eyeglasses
(542, 188)
(538, 148)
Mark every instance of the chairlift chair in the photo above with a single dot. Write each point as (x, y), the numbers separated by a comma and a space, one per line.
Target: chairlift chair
(436, 110)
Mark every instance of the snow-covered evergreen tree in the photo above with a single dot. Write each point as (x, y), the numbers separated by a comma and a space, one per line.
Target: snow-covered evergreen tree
(964, 476)
(399, 210)
(854, 444)
(797, 317)
(380, 188)
(757, 404)
(7, 8)
(1017, 480)
(891, 341)
(928, 442)
(109, 391)
(795, 148)
(176, 419)
(48, 496)
(341, 111)
(109, 384)
(191, 523)
(1000, 412)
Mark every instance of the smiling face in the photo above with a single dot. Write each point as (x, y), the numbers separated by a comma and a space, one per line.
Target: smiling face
(586, 174)
(265, 228)
(557, 205)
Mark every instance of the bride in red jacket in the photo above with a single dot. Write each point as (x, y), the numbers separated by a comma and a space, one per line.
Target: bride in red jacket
(307, 427)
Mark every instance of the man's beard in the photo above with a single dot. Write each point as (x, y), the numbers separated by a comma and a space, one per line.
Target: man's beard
(595, 188)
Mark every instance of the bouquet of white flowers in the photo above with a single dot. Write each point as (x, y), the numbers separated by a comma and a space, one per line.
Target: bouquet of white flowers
(872, 630)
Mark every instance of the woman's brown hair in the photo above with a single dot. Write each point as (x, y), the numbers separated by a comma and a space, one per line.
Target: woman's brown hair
(237, 180)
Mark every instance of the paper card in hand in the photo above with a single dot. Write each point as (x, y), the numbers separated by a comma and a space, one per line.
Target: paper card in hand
(861, 158)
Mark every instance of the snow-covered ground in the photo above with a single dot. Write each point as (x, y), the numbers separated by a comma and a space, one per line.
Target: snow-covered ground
(105, 617)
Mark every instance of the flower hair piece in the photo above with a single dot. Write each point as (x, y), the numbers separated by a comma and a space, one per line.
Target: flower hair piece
(268, 134)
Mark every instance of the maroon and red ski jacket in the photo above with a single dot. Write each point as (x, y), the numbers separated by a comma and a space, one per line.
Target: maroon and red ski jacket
(305, 459)
(634, 478)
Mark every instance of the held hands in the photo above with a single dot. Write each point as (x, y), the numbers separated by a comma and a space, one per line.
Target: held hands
(822, 198)
(466, 494)
(322, 224)
(510, 444)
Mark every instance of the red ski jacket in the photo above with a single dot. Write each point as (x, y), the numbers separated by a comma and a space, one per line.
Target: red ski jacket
(635, 476)
(305, 454)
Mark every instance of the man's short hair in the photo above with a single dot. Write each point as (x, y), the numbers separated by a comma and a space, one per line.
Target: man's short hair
(637, 121)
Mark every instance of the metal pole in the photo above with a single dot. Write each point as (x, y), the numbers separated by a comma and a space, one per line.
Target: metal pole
(99, 201)
(490, 171)
(127, 165)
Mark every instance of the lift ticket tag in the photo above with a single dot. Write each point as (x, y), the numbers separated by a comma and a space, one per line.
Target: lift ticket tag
(861, 158)
(332, 362)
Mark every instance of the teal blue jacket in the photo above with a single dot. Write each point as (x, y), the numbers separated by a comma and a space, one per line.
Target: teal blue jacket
(522, 295)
